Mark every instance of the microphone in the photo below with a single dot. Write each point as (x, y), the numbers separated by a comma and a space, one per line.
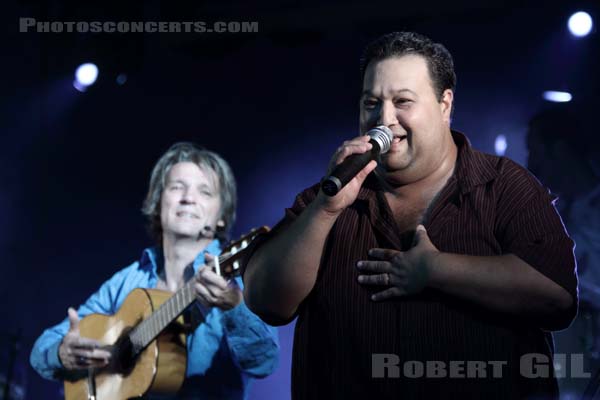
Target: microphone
(381, 139)
(205, 231)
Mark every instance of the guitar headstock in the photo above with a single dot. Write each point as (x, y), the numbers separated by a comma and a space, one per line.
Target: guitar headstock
(228, 264)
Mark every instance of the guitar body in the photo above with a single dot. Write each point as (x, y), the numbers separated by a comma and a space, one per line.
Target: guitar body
(159, 368)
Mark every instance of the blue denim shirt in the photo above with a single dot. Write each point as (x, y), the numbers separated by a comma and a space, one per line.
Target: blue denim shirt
(225, 351)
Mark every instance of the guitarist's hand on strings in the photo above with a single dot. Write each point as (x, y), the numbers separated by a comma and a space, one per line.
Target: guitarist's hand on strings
(76, 352)
(213, 290)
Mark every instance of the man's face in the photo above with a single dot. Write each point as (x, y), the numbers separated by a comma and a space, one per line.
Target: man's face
(190, 200)
(398, 93)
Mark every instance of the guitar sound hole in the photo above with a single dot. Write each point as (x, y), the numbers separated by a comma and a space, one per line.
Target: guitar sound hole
(124, 355)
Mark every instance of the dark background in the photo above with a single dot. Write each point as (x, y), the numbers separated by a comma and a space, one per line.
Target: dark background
(74, 167)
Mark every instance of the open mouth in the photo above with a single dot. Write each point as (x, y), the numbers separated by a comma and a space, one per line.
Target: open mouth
(185, 214)
(398, 139)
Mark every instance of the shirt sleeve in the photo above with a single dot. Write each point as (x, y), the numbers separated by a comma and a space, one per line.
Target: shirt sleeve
(44, 355)
(300, 203)
(534, 232)
(253, 344)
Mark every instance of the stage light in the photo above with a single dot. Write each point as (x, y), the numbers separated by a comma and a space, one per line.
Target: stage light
(85, 75)
(500, 145)
(580, 24)
(121, 79)
(557, 97)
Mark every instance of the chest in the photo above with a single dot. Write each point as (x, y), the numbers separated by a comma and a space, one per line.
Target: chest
(408, 214)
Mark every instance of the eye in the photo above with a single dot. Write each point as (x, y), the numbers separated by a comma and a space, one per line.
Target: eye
(402, 101)
(175, 187)
(370, 104)
(205, 191)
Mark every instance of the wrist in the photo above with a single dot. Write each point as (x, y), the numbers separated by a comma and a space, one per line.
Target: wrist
(433, 266)
(59, 351)
(320, 209)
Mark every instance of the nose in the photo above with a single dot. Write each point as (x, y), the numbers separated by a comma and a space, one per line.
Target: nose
(387, 114)
(188, 197)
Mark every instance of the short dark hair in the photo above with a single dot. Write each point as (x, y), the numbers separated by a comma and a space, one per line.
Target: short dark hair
(397, 44)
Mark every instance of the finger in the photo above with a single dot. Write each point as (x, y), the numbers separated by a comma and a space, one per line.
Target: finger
(85, 343)
(379, 279)
(382, 254)
(101, 354)
(92, 354)
(83, 362)
(362, 175)
(420, 235)
(215, 291)
(232, 284)
(374, 266)
(351, 148)
(388, 293)
(83, 346)
(357, 140)
(229, 299)
(210, 278)
(204, 294)
(209, 258)
(73, 319)
(97, 364)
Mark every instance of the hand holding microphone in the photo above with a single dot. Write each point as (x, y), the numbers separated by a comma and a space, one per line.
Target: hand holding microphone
(380, 139)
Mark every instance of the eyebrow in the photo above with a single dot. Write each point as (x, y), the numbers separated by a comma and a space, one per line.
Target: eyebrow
(369, 93)
(200, 186)
(185, 183)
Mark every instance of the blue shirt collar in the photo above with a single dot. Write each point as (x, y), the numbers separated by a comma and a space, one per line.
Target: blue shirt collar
(152, 257)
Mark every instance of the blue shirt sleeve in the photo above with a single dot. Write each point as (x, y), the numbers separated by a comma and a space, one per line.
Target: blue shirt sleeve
(44, 355)
(253, 344)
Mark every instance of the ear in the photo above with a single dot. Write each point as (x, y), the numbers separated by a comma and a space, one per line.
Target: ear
(446, 104)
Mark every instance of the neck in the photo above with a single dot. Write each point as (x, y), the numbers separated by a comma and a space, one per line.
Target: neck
(179, 252)
(401, 185)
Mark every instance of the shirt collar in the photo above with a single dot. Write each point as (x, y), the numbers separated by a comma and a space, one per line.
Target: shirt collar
(152, 257)
(473, 168)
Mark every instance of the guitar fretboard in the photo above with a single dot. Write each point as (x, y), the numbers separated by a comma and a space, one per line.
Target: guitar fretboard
(147, 330)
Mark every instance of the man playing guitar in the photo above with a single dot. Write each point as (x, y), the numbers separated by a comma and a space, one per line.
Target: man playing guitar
(190, 206)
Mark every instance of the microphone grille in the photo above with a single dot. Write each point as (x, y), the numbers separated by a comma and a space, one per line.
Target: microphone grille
(383, 136)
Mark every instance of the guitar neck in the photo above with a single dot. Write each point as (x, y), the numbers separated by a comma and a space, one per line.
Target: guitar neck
(147, 330)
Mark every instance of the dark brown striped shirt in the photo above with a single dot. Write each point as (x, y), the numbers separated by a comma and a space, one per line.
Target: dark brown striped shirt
(490, 206)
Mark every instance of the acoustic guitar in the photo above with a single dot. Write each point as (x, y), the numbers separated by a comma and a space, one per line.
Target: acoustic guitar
(146, 338)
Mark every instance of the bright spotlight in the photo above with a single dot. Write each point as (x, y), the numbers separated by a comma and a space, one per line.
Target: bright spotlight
(86, 74)
(557, 97)
(580, 24)
(500, 145)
